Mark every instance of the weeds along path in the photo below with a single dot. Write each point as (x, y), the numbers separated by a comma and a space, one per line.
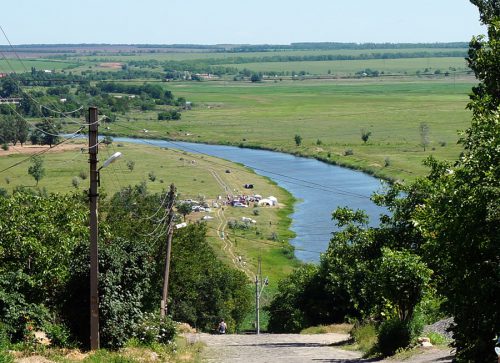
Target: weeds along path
(228, 246)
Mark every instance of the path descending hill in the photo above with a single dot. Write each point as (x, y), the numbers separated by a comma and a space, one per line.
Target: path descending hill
(292, 348)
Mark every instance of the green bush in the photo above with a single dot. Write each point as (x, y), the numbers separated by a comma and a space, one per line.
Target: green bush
(154, 329)
(394, 334)
(58, 334)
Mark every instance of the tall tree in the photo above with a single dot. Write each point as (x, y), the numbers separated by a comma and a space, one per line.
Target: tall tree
(461, 216)
(36, 169)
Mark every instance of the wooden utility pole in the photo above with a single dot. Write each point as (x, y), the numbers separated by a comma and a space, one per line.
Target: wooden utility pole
(94, 231)
(170, 233)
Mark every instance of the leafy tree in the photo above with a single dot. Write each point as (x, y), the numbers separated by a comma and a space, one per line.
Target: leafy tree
(403, 279)
(7, 129)
(365, 135)
(303, 301)
(256, 77)
(22, 130)
(8, 88)
(298, 139)
(46, 133)
(461, 216)
(184, 209)
(36, 170)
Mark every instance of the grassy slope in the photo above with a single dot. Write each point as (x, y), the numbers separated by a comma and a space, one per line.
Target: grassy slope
(269, 114)
(193, 178)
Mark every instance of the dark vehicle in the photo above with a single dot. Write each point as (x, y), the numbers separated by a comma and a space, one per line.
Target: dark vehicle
(248, 186)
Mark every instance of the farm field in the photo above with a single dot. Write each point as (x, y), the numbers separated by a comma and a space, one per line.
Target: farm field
(201, 55)
(8, 66)
(328, 115)
(350, 67)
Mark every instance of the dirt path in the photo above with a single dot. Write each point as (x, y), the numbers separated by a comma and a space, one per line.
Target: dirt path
(292, 348)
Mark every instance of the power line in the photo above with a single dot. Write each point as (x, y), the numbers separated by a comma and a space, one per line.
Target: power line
(26, 70)
(304, 183)
(39, 153)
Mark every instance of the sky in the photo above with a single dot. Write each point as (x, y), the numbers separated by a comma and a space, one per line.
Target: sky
(237, 21)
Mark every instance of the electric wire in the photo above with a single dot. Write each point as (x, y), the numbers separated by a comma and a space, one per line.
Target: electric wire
(56, 111)
(285, 178)
(38, 153)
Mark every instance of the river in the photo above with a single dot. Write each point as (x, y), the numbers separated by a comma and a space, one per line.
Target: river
(319, 188)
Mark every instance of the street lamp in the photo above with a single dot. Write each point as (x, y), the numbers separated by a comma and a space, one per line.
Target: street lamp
(93, 225)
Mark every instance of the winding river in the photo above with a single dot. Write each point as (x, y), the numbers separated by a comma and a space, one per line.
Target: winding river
(319, 187)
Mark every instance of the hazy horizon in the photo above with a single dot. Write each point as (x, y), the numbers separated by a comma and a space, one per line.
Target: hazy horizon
(223, 22)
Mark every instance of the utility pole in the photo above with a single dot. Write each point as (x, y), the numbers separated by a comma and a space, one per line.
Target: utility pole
(94, 231)
(170, 227)
(258, 293)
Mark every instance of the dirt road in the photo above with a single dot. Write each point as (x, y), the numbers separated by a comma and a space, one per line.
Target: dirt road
(291, 348)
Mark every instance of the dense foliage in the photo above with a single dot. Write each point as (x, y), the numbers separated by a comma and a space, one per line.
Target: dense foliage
(44, 270)
(440, 241)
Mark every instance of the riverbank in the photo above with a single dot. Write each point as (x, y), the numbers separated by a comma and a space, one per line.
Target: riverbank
(329, 116)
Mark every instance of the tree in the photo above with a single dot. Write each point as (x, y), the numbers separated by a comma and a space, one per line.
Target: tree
(460, 218)
(46, 133)
(256, 77)
(130, 165)
(365, 135)
(184, 209)
(36, 170)
(298, 139)
(403, 279)
(424, 134)
(22, 130)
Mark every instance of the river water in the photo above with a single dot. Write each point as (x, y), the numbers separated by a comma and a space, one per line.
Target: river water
(319, 187)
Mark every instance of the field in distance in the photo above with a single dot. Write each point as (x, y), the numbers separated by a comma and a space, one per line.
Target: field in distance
(329, 117)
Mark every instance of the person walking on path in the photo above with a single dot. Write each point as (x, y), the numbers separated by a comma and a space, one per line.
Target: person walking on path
(222, 327)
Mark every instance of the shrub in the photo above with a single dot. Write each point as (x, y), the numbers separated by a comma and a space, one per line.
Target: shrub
(387, 162)
(154, 329)
(256, 211)
(348, 152)
(75, 182)
(5, 146)
(58, 334)
(83, 174)
(395, 334)
(152, 176)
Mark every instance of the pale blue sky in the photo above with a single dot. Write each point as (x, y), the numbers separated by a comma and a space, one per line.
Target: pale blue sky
(225, 21)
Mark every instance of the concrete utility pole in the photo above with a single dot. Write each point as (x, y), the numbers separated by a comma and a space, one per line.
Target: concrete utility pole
(170, 227)
(94, 231)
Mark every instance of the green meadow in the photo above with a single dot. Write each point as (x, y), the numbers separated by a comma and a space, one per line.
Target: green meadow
(350, 67)
(194, 178)
(14, 65)
(328, 115)
(201, 55)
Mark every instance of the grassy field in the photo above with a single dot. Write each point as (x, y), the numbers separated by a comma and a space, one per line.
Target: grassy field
(328, 115)
(182, 56)
(350, 67)
(14, 65)
(194, 176)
